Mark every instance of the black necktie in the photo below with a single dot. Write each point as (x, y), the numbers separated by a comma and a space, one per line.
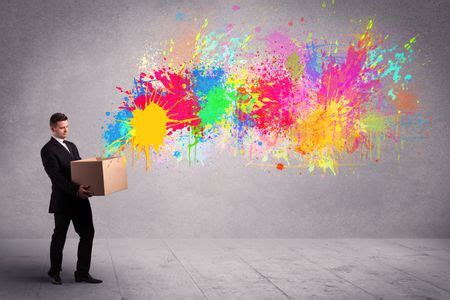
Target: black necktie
(67, 145)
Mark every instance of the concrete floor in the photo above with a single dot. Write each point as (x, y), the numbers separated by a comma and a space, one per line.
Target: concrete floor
(234, 269)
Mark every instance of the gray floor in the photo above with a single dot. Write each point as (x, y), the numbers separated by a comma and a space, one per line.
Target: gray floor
(235, 269)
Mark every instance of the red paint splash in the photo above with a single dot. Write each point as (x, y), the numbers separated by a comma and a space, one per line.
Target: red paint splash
(280, 167)
(277, 112)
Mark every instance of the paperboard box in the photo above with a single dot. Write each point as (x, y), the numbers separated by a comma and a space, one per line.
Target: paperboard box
(103, 175)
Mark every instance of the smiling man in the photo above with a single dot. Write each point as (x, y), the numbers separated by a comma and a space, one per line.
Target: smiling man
(69, 202)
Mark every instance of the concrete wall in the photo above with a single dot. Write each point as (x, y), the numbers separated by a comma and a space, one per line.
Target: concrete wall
(69, 55)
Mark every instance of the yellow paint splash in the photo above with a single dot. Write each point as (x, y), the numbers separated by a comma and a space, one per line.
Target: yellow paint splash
(408, 45)
(375, 126)
(198, 45)
(324, 3)
(323, 134)
(149, 128)
(294, 66)
(246, 41)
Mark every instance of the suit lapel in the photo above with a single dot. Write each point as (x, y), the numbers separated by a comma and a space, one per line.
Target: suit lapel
(61, 147)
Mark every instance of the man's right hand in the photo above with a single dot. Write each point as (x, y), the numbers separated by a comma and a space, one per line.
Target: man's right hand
(84, 192)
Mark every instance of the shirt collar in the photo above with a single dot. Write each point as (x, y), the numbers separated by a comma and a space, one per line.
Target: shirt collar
(58, 139)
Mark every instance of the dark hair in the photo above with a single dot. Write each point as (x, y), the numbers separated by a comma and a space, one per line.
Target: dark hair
(56, 117)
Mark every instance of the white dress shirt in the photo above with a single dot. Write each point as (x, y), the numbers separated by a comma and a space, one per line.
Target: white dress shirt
(61, 141)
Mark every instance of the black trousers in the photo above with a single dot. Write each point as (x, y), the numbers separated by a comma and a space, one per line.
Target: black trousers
(81, 217)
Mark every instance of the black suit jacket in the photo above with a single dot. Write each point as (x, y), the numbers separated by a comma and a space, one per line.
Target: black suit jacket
(56, 160)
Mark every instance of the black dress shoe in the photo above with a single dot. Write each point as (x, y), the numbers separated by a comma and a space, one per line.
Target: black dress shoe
(55, 278)
(86, 278)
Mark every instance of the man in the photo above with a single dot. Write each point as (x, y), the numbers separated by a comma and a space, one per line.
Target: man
(69, 202)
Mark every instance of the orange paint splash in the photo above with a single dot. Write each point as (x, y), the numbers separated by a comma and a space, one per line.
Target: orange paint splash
(406, 102)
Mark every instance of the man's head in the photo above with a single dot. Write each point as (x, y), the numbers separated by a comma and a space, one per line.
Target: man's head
(59, 125)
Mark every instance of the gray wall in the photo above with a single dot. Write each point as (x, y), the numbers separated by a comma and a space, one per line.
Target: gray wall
(69, 55)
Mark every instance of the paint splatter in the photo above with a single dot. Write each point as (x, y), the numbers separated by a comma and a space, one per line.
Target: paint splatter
(180, 16)
(325, 2)
(270, 97)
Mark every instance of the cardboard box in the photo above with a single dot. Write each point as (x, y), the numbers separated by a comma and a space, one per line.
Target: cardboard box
(103, 175)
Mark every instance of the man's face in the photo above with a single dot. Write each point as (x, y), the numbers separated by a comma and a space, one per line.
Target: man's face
(61, 129)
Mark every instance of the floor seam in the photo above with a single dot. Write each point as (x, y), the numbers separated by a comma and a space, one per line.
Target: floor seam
(189, 273)
(412, 275)
(380, 260)
(262, 275)
(40, 283)
(338, 276)
(419, 251)
(114, 269)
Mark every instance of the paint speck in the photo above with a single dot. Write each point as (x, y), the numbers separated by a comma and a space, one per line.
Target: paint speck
(235, 7)
(108, 113)
(177, 153)
(280, 166)
(290, 23)
(180, 16)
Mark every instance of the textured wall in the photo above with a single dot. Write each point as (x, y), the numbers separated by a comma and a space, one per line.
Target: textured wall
(69, 55)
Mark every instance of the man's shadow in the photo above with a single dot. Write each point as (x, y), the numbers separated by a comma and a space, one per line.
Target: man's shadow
(22, 269)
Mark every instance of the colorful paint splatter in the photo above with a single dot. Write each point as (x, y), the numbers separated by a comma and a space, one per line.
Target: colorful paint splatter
(276, 100)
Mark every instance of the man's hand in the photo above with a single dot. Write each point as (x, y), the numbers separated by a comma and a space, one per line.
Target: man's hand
(84, 192)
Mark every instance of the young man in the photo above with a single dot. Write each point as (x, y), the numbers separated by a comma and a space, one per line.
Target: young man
(69, 202)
